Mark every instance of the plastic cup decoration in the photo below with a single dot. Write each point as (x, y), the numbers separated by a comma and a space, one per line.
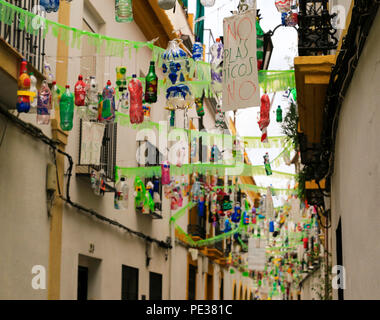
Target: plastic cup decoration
(176, 67)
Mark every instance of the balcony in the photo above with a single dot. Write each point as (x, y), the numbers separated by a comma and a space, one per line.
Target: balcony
(196, 231)
(15, 45)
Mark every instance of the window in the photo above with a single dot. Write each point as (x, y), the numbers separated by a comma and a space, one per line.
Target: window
(192, 282)
(129, 283)
(155, 286)
(82, 283)
(234, 295)
(107, 153)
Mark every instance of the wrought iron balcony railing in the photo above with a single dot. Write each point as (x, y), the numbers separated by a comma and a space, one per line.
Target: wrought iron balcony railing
(316, 34)
(32, 47)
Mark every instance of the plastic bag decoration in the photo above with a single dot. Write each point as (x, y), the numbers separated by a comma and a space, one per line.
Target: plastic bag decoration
(216, 51)
(207, 3)
(176, 67)
(166, 4)
(264, 117)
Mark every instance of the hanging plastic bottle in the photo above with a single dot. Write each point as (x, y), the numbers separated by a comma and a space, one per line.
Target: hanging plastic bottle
(50, 5)
(123, 11)
(197, 50)
(172, 118)
(122, 194)
(199, 105)
(56, 97)
(121, 78)
(92, 98)
(264, 117)
(107, 111)
(123, 105)
(216, 51)
(176, 68)
(66, 109)
(44, 104)
(267, 166)
(151, 84)
(48, 73)
(136, 111)
(33, 89)
(259, 45)
(23, 93)
(207, 3)
(80, 92)
(165, 173)
(279, 114)
(146, 110)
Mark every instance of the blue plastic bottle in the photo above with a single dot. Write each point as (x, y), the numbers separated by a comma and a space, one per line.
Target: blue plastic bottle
(50, 5)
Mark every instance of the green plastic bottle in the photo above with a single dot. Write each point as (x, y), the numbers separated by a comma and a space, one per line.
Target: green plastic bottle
(151, 85)
(66, 109)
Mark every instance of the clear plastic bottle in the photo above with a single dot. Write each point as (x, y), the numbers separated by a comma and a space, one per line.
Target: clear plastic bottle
(123, 11)
(122, 194)
(33, 88)
(197, 50)
(56, 97)
(66, 107)
(92, 98)
(136, 111)
(44, 104)
(216, 51)
(50, 5)
(123, 105)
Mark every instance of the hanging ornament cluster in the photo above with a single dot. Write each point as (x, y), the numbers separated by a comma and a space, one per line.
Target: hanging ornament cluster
(143, 200)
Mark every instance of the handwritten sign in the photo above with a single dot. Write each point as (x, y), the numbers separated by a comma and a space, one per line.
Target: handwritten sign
(240, 76)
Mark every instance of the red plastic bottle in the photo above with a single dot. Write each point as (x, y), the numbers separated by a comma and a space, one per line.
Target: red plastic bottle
(80, 92)
(136, 111)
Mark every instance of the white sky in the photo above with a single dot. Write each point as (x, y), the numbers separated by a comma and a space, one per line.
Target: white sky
(285, 49)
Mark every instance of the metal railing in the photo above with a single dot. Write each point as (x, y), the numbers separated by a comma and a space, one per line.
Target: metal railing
(31, 47)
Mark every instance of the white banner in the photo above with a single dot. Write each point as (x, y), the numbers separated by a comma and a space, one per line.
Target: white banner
(240, 76)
